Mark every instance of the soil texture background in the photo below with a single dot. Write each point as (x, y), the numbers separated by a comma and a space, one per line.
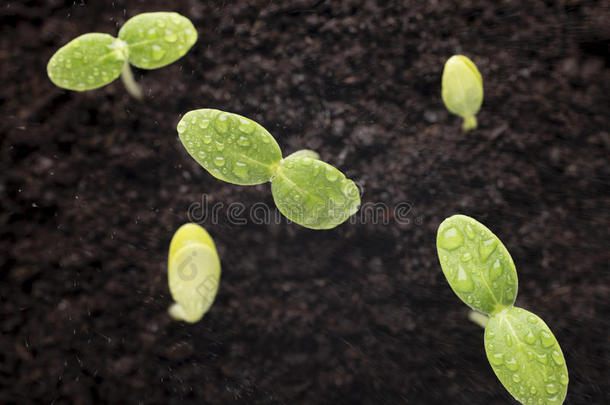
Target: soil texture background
(94, 184)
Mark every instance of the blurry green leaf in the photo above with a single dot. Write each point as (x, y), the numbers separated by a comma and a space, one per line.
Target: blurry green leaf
(476, 264)
(526, 357)
(157, 39)
(193, 273)
(462, 89)
(313, 194)
(87, 62)
(231, 147)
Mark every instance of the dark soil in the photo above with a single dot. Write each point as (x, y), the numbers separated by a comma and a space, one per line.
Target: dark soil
(94, 184)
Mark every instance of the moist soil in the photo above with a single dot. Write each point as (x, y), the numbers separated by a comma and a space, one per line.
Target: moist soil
(94, 184)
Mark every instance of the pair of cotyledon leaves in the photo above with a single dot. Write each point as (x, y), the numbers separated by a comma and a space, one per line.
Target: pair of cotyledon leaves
(238, 150)
(520, 347)
(147, 41)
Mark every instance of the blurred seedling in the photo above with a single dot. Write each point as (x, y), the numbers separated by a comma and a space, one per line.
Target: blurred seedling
(237, 150)
(462, 90)
(146, 41)
(520, 347)
(193, 273)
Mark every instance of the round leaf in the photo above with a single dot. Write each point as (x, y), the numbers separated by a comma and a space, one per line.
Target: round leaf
(462, 90)
(526, 357)
(231, 147)
(157, 39)
(476, 264)
(87, 62)
(193, 273)
(313, 194)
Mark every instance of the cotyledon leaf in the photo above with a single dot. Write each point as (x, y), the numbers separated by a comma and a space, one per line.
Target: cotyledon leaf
(193, 273)
(231, 147)
(462, 89)
(87, 62)
(313, 193)
(526, 357)
(157, 39)
(476, 264)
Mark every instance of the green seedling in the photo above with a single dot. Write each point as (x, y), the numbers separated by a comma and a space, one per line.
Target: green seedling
(237, 150)
(193, 273)
(147, 41)
(462, 89)
(520, 347)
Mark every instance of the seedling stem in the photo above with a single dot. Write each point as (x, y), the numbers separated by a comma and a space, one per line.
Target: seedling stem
(130, 83)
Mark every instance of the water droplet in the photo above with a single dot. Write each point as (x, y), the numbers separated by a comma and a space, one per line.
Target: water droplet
(181, 127)
(243, 141)
(77, 55)
(451, 238)
(497, 359)
(90, 79)
(220, 146)
(469, 231)
(533, 390)
(530, 338)
(219, 161)
(486, 248)
(546, 338)
(240, 169)
(557, 357)
(512, 364)
(157, 52)
(463, 282)
(532, 319)
(508, 339)
(203, 124)
(551, 388)
(541, 358)
(496, 270)
(170, 36)
(265, 138)
(152, 32)
(222, 124)
(245, 125)
(160, 23)
(466, 257)
(331, 175)
(516, 377)
(201, 154)
(207, 139)
(563, 379)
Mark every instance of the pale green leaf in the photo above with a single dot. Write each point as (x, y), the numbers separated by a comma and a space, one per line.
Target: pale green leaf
(231, 147)
(87, 62)
(526, 357)
(157, 39)
(476, 264)
(193, 273)
(313, 194)
(462, 89)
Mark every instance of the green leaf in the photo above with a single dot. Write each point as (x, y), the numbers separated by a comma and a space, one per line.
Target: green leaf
(476, 264)
(313, 194)
(231, 147)
(157, 39)
(193, 273)
(526, 357)
(462, 89)
(87, 62)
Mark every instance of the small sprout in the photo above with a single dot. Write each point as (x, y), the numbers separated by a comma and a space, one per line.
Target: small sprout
(238, 150)
(462, 89)
(520, 347)
(147, 41)
(193, 273)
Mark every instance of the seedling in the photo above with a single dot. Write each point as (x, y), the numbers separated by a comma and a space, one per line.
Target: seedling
(147, 41)
(193, 273)
(237, 150)
(520, 347)
(462, 89)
